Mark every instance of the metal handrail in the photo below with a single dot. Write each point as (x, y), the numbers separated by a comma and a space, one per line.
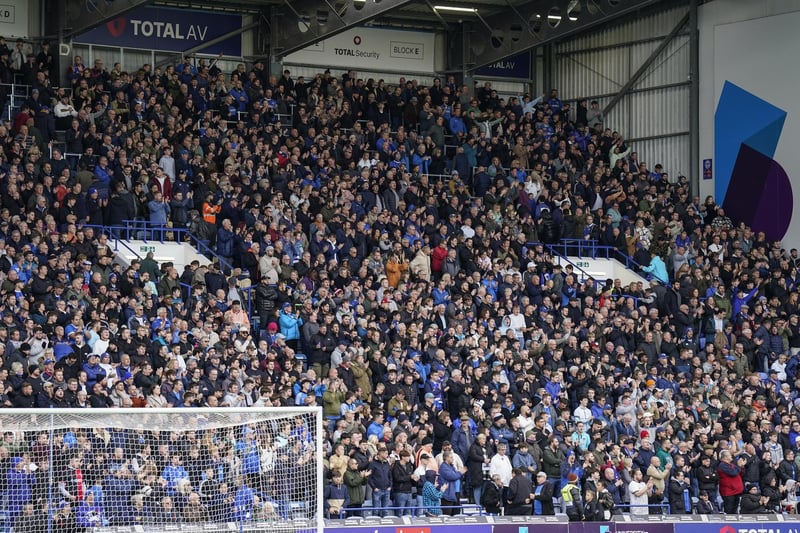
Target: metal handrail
(665, 507)
(115, 239)
(413, 509)
(132, 227)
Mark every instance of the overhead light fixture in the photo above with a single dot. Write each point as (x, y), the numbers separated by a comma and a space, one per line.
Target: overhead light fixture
(456, 9)
(573, 9)
(553, 17)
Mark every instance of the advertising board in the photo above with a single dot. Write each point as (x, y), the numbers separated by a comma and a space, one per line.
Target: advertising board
(168, 30)
(375, 49)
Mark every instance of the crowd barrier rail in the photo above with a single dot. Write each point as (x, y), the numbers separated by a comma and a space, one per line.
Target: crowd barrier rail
(774, 523)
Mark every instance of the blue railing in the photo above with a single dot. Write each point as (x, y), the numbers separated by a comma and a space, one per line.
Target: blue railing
(145, 230)
(592, 249)
(405, 511)
(664, 507)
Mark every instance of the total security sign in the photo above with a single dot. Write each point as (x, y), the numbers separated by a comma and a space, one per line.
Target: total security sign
(169, 30)
(373, 49)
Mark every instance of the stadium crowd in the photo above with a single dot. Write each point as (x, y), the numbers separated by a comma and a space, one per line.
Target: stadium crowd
(392, 241)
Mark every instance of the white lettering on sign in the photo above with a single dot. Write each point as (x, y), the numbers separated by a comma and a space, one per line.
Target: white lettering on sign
(503, 65)
(407, 50)
(8, 14)
(168, 30)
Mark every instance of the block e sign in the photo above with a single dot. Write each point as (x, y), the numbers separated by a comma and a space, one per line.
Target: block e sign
(407, 50)
(8, 14)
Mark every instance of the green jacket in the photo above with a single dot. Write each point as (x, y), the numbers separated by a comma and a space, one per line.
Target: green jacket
(355, 486)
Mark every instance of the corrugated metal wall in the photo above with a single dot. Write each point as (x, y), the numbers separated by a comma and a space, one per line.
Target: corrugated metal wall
(655, 114)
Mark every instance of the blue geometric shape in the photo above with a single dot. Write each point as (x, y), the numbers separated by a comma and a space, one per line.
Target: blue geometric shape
(742, 118)
(766, 140)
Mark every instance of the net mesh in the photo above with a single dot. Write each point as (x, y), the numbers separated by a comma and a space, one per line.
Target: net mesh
(107, 470)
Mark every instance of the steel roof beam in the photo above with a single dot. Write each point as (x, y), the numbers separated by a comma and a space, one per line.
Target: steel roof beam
(301, 23)
(539, 22)
(83, 15)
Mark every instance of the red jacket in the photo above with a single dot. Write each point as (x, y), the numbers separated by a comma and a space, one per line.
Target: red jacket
(438, 256)
(730, 479)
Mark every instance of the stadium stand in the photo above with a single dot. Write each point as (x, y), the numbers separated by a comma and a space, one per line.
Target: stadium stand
(382, 250)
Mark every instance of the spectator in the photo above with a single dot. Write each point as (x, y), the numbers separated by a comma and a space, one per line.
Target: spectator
(432, 494)
(492, 494)
(519, 492)
(380, 481)
(731, 486)
(336, 496)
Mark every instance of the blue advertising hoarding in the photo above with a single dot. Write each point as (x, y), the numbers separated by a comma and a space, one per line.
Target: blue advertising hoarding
(517, 67)
(168, 30)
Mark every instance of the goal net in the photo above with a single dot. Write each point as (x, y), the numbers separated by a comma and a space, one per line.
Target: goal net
(122, 470)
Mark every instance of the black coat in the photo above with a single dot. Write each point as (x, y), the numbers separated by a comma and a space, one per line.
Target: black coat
(751, 504)
(677, 504)
(266, 298)
(707, 478)
(545, 498)
(490, 497)
(592, 511)
(475, 462)
(519, 492)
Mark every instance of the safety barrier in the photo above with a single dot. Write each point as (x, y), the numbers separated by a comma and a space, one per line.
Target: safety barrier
(557, 524)
(411, 511)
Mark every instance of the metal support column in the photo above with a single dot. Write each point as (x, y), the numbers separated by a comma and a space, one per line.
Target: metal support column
(694, 100)
(646, 65)
(548, 68)
(467, 31)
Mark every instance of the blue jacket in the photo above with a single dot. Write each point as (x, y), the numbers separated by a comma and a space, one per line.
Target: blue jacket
(225, 242)
(243, 503)
(172, 474)
(336, 492)
(89, 516)
(159, 211)
(375, 429)
(19, 489)
(448, 474)
(290, 325)
(94, 373)
(658, 269)
(501, 434)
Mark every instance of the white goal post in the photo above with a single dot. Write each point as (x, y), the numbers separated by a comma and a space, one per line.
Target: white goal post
(121, 470)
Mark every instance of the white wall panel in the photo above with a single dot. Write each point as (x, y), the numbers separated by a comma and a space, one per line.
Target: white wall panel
(658, 112)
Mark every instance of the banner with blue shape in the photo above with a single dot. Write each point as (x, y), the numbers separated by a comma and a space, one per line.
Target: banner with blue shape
(168, 30)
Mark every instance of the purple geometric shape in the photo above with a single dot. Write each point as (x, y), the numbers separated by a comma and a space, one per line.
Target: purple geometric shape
(774, 211)
(759, 193)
